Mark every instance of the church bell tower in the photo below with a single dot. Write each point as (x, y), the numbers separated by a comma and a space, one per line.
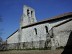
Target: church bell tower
(28, 16)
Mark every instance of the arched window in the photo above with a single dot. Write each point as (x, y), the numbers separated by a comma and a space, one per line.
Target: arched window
(35, 31)
(31, 13)
(46, 29)
(27, 12)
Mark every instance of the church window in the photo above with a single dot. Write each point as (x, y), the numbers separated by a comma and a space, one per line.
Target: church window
(35, 31)
(46, 29)
(31, 13)
(28, 12)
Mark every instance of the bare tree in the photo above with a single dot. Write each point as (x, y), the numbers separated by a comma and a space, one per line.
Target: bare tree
(0, 35)
(1, 41)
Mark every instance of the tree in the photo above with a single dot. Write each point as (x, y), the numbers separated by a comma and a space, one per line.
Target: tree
(1, 43)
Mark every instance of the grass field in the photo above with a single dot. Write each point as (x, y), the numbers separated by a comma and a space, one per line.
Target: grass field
(32, 52)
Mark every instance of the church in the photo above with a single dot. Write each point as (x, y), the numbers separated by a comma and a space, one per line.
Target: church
(51, 33)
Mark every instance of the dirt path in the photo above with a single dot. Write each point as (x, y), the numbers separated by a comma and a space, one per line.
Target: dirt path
(32, 52)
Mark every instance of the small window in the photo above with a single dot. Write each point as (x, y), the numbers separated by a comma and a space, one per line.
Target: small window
(46, 29)
(28, 12)
(35, 31)
(31, 13)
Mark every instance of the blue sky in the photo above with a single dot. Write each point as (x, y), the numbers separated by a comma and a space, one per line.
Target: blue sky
(11, 11)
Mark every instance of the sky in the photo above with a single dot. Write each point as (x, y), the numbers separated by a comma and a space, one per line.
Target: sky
(11, 11)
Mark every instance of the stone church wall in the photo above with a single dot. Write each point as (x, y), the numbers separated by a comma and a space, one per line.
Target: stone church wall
(12, 41)
(53, 23)
(61, 33)
(35, 40)
(31, 39)
(13, 38)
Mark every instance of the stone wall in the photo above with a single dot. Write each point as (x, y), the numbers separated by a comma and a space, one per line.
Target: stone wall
(61, 33)
(27, 45)
(29, 34)
(36, 39)
(13, 38)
